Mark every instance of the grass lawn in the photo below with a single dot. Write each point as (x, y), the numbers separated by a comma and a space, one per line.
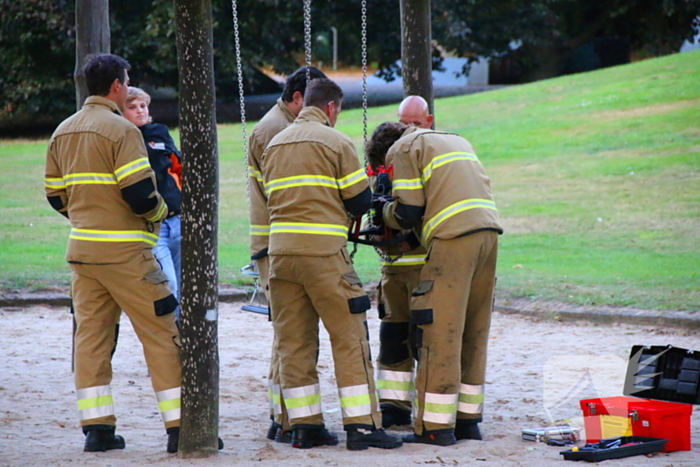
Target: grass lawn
(596, 177)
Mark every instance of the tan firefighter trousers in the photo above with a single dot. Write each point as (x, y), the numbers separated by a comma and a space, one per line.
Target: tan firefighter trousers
(450, 320)
(304, 289)
(100, 293)
(395, 363)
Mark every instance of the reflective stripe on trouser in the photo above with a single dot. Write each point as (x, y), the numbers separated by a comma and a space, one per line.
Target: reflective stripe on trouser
(169, 404)
(302, 290)
(471, 400)
(274, 396)
(453, 347)
(95, 402)
(303, 402)
(395, 386)
(100, 293)
(355, 401)
(395, 363)
(439, 408)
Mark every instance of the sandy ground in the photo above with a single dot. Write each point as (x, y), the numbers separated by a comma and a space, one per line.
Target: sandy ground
(538, 370)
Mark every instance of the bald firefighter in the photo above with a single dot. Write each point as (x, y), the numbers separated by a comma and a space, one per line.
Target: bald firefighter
(440, 186)
(314, 183)
(401, 266)
(275, 120)
(98, 176)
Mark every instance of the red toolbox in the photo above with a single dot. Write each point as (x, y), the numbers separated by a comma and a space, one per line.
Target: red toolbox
(611, 417)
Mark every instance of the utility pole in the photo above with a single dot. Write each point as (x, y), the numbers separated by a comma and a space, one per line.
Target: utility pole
(416, 47)
(200, 202)
(91, 37)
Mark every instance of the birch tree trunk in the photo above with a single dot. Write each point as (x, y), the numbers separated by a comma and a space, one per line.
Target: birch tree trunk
(200, 201)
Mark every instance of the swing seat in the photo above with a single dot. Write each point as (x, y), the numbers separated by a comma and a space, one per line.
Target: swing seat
(255, 303)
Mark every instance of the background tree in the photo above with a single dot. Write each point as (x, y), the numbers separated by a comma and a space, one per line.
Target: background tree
(550, 32)
(37, 39)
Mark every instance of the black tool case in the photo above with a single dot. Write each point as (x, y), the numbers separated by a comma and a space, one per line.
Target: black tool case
(615, 448)
(664, 373)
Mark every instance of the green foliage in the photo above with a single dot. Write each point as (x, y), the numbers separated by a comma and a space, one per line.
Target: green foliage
(37, 50)
(550, 31)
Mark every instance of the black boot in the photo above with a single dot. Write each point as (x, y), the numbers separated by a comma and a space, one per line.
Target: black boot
(174, 440)
(359, 439)
(468, 429)
(393, 415)
(306, 438)
(283, 436)
(101, 438)
(272, 431)
(435, 437)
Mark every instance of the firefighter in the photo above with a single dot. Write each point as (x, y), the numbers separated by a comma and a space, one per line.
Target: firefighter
(313, 179)
(98, 176)
(275, 120)
(440, 185)
(414, 110)
(400, 275)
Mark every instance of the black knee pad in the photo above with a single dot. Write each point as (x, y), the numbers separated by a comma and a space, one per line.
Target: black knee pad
(393, 347)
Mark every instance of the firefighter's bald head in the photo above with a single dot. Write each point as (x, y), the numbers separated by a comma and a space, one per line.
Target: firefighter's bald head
(414, 110)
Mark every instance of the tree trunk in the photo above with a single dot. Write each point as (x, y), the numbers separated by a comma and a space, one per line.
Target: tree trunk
(200, 201)
(91, 37)
(416, 47)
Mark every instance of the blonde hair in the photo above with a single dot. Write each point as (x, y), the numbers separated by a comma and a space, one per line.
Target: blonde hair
(140, 94)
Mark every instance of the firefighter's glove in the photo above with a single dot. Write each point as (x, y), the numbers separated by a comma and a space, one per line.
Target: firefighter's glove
(378, 208)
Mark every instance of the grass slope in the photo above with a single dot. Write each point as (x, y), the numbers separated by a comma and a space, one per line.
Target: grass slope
(596, 176)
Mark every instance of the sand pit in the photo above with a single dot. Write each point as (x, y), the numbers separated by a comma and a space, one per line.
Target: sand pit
(537, 372)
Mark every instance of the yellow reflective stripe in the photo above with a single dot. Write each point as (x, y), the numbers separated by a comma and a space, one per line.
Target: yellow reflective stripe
(306, 228)
(169, 405)
(159, 214)
(90, 178)
(453, 209)
(440, 408)
(439, 161)
(131, 167)
(351, 179)
(256, 174)
(300, 180)
(54, 183)
(407, 184)
(113, 236)
(94, 402)
(302, 402)
(405, 260)
(263, 230)
(387, 382)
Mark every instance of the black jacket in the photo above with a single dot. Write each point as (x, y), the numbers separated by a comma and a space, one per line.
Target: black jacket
(161, 154)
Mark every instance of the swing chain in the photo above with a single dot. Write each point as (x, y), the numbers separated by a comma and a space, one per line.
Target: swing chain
(307, 38)
(364, 74)
(241, 97)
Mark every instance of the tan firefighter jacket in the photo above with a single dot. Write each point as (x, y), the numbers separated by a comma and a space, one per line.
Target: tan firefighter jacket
(98, 174)
(311, 173)
(275, 120)
(438, 175)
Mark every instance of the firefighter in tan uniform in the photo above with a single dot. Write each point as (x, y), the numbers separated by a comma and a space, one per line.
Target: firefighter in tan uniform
(98, 176)
(275, 120)
(440, 185)
(313, 179)
(400, 275)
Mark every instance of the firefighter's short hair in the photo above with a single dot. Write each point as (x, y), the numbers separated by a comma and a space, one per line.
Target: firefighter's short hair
(101, 70)
(383, 137)
(321, 91)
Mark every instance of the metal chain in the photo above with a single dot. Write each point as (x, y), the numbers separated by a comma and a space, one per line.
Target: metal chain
(241, 98)
(307, 38)
(364, 76)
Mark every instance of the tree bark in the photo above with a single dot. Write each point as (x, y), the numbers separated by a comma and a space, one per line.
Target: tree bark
(91, 37)
(200, 201)
(416, 47)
